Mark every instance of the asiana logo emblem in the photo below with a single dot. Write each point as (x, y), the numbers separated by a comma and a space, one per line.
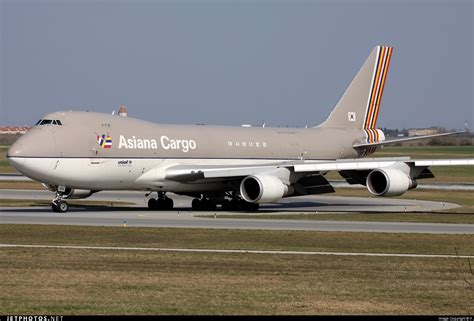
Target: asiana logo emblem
(104, 141)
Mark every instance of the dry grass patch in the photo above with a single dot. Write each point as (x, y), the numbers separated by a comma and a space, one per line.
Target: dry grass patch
(32, 185)
(50, 281)
(237, 239)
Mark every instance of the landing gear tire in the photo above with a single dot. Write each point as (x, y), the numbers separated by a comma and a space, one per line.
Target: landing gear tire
(152, 204)
(60, 207)
(168, 204)
(205, 204)
(196, 204)
(163, 203)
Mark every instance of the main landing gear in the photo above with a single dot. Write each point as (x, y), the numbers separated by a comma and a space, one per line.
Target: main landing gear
(163, 202)
(204, 204)
(58, 205)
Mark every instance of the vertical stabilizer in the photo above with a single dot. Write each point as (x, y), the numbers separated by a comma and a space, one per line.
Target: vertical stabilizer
(359, 107)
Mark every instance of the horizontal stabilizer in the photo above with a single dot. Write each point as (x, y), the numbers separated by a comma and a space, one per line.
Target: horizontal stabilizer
(401, 140)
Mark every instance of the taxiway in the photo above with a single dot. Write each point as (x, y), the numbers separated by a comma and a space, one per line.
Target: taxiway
(183, 217)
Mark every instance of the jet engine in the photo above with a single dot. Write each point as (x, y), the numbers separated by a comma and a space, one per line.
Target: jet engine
(389, 182)
(262, 189)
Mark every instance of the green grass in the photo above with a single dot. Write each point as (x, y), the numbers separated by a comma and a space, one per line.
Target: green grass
(236, 239)
(427, 151)
(59, 281)
(5, 166)
(13, 184)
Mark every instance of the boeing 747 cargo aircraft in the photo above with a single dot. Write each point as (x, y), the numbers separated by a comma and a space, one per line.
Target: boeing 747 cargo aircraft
(77, 154)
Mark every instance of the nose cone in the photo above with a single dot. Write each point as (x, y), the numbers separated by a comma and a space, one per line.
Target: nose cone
(38, 142)
(15, 153)
(31, 150)
(17, 149)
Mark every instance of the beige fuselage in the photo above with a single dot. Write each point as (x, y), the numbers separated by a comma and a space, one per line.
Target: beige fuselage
(99, 151)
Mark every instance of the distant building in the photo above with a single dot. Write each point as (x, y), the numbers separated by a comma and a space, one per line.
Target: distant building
(14, 130)
(122, 111)
(423, 131)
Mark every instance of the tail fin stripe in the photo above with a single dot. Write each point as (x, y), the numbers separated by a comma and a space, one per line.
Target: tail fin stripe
(369, 137)
(374, 84)
(383, 61)
(375, 95)
(372, 135)
(384, 77)
(376, 135)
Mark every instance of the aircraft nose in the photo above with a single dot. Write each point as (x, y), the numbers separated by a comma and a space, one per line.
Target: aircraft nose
(25, 152)
(15, 153)
(17, 149)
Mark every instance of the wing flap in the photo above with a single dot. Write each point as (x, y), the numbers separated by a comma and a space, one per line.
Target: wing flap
(444, 162)
(182, 173)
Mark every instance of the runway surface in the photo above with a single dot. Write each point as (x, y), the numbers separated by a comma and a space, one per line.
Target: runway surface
(311, 203)
(183, 217)
(187, 219)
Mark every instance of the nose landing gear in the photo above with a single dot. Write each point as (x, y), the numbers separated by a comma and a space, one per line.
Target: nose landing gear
(58, 205)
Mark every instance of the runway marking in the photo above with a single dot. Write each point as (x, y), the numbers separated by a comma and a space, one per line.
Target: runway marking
(157, 249)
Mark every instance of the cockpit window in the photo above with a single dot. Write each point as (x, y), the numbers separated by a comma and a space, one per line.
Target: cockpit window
(48, 122)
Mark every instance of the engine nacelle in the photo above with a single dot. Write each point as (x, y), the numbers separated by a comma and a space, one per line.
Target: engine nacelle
(389, 182)
(71, 193)
(262, 189)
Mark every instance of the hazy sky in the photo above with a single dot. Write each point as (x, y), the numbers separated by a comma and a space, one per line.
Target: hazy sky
(234, 62)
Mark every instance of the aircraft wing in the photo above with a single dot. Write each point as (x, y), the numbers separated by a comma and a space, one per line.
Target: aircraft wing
(185, 173)
(367, 164)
